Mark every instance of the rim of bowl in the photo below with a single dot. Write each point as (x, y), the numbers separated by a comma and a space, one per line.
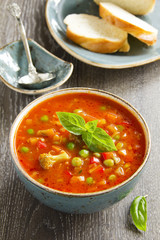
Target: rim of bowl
(103, 93)
(42, 90)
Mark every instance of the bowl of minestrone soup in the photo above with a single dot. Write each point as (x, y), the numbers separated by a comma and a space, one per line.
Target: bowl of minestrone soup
(79, 150)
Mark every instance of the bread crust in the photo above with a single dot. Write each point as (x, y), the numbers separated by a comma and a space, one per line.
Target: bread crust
(147, 37)
(143, 11)
(99, 45)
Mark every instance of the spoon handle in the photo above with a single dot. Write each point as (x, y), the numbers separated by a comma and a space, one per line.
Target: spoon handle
(15, 11)
(24, 39)
(26, 46)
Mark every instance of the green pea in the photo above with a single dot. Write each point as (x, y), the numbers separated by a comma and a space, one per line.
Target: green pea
(30, 131)
(119, 145)
(44, 118)
(70, 145)
(108, 163)
(117, 137)
(89, 180)
(112, 177)
(98, 155)
(103, 108)
(120, 128)
(84, 153)
(77, 162)
(77, 111)
(24, 149)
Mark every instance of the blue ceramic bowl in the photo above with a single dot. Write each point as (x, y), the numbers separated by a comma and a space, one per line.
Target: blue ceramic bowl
(13, 65)
(78, 203)
(139, 53)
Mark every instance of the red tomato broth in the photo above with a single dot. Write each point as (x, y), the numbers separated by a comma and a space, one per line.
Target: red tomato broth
(63, 176)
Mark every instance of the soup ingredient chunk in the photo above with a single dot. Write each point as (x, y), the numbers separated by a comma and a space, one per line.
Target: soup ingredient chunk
(46, 132)
(24, 149)
(71, 145)
(89, 180)
(77, 162)
(30, 131)
(44, 118)
(47, 160)
(84, 153)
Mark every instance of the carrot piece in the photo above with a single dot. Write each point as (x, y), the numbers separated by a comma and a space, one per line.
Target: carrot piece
(111, 117)
(107, 155)
(98, 169)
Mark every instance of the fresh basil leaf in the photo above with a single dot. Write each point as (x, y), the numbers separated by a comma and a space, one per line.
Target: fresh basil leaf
(87, 138)
(91, 126)
(138, 211)
(99, 141)
(72, 122)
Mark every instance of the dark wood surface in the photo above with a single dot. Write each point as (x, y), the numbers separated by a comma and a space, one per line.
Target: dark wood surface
(22, 217)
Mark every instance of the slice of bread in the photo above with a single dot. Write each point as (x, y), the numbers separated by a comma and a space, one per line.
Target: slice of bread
(128, 22)
(137, 7)
(95, 34)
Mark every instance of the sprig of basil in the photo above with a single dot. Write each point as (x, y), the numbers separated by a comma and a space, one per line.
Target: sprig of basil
(100, 142)
(138, 211)
(72, 122)
(91, 126)
(95, 138)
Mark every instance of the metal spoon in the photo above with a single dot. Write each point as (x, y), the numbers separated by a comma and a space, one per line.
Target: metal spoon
(33, 79)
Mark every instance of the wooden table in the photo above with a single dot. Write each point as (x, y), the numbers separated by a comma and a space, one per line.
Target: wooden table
(22, 217)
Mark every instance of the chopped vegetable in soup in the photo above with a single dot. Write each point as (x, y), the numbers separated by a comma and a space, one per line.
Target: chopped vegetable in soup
(71, 158)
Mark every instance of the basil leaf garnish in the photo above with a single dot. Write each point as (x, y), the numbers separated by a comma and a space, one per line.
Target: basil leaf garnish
(95, 138)
(87, 138)
(91, 126)
(101, 141)
(138, 211)
(72, 122)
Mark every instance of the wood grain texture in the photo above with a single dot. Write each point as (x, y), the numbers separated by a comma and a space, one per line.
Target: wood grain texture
(22, 217)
